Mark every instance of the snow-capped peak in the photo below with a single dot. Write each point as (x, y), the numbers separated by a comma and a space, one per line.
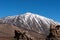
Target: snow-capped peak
(30, 21)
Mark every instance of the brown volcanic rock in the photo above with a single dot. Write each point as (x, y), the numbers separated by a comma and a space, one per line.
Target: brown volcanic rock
(54, 33)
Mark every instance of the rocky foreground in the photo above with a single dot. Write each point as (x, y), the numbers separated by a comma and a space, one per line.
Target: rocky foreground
(7, 33)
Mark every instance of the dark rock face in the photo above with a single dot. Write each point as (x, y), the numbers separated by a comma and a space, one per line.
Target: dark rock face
(54, 33)
(19, 35)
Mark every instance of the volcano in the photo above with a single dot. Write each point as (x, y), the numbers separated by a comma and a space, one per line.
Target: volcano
(36, 26)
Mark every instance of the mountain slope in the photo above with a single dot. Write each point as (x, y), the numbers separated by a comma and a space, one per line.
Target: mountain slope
(7, 31)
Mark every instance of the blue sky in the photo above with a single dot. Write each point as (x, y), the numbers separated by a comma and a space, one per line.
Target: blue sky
(47, 8)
